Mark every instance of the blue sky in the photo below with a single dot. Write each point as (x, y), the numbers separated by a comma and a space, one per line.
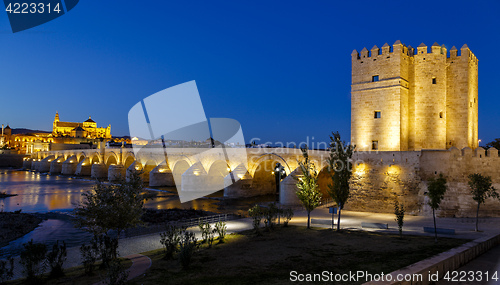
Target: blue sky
(281, 68)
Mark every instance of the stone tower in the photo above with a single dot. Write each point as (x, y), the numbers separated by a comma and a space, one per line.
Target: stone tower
(406, 99)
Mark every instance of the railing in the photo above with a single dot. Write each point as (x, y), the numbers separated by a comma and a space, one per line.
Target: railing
(157, 228)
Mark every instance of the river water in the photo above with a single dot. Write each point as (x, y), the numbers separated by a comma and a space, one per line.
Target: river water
(42, 193)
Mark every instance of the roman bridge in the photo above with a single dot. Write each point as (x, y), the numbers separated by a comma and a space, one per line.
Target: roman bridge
(185, 165)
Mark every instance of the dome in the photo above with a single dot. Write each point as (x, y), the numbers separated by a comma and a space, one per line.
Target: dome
(89, 120)
(7, 128)
(79, 129)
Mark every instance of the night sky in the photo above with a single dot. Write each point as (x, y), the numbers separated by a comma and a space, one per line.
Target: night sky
(281, 68)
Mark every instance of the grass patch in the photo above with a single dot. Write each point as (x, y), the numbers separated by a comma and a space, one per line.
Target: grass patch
(245, 258)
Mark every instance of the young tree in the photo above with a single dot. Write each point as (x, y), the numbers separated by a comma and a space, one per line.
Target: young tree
(481, 189)
(308, 192)
(340, 169)
(436, 189)
(112, 206)
(399, 211)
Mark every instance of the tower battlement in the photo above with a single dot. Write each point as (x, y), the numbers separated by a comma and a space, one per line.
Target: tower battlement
(388, 50)
(405, 98)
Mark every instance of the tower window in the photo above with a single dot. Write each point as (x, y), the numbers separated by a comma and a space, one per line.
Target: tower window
(374, 145)
(440, 115)
(433, 80)
(377, 115)
(374, 78)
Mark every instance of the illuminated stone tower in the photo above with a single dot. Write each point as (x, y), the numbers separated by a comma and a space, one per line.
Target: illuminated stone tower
(406, 99)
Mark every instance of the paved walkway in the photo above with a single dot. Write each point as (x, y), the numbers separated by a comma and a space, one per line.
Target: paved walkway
(464, 228)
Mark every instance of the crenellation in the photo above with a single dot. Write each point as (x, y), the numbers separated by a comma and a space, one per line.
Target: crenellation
(492, 152)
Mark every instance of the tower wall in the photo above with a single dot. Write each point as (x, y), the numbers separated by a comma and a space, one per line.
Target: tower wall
(430, 98)
(425, 99)
(388, 95)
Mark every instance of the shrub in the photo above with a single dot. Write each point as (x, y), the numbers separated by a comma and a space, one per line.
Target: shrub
(170, 240)
(221, 229)
(89, 257)
(115, 273)
(107, 248)
(6, 269)
(206, 231)
(33, 260)
(287, 215)
(256, 214)
(270, 214)
(186, 248)
(56, 258)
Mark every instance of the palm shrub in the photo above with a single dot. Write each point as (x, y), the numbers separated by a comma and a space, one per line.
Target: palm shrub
(170, 240)
(56, 258)
(187, 246)
(270, 214)
(33, 257)
(287, 215)
(256, 214)
(221, 229)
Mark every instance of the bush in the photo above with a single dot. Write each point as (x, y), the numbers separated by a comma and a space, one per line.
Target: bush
(270, 214)
(6, 270)
(170, 240)
(287, 215)
(33, 258)
(107, 248)
(56, 258)
(221, 229)
(115, 273)
(89, 257)
(256, 214)
(186, 249)
(206, 231)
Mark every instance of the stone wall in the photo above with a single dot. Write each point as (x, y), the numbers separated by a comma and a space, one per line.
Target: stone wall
(381, 178)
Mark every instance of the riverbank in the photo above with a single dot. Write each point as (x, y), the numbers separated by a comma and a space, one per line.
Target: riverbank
(14, 225)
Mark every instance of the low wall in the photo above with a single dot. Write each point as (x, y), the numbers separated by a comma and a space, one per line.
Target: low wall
(11, 160)
(442, 263)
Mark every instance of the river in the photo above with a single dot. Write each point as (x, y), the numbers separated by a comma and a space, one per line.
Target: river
(42, 193)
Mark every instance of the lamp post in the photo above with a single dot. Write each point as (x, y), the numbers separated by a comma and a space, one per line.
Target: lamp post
(279, 173)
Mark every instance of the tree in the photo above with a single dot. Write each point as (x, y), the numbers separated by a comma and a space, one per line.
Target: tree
(399, 211)
(340, 169)
(495, 144)
(436, 189)
(32, 259)
(481, 189)
(308, 192)
(112, 207)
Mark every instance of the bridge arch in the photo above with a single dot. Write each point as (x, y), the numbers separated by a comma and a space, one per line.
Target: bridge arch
(111, 158)
(96, 158)
(81, 156)
(128, 160)
(218, 170)
(179, 168)
(269, 156)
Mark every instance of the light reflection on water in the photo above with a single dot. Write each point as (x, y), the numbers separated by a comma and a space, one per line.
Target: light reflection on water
(40, 193)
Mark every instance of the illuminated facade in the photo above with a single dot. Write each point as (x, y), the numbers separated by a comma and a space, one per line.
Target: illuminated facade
(87, 129)
(406, 99)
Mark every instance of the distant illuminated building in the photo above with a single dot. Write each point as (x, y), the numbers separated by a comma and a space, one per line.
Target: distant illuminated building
(87, 129)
